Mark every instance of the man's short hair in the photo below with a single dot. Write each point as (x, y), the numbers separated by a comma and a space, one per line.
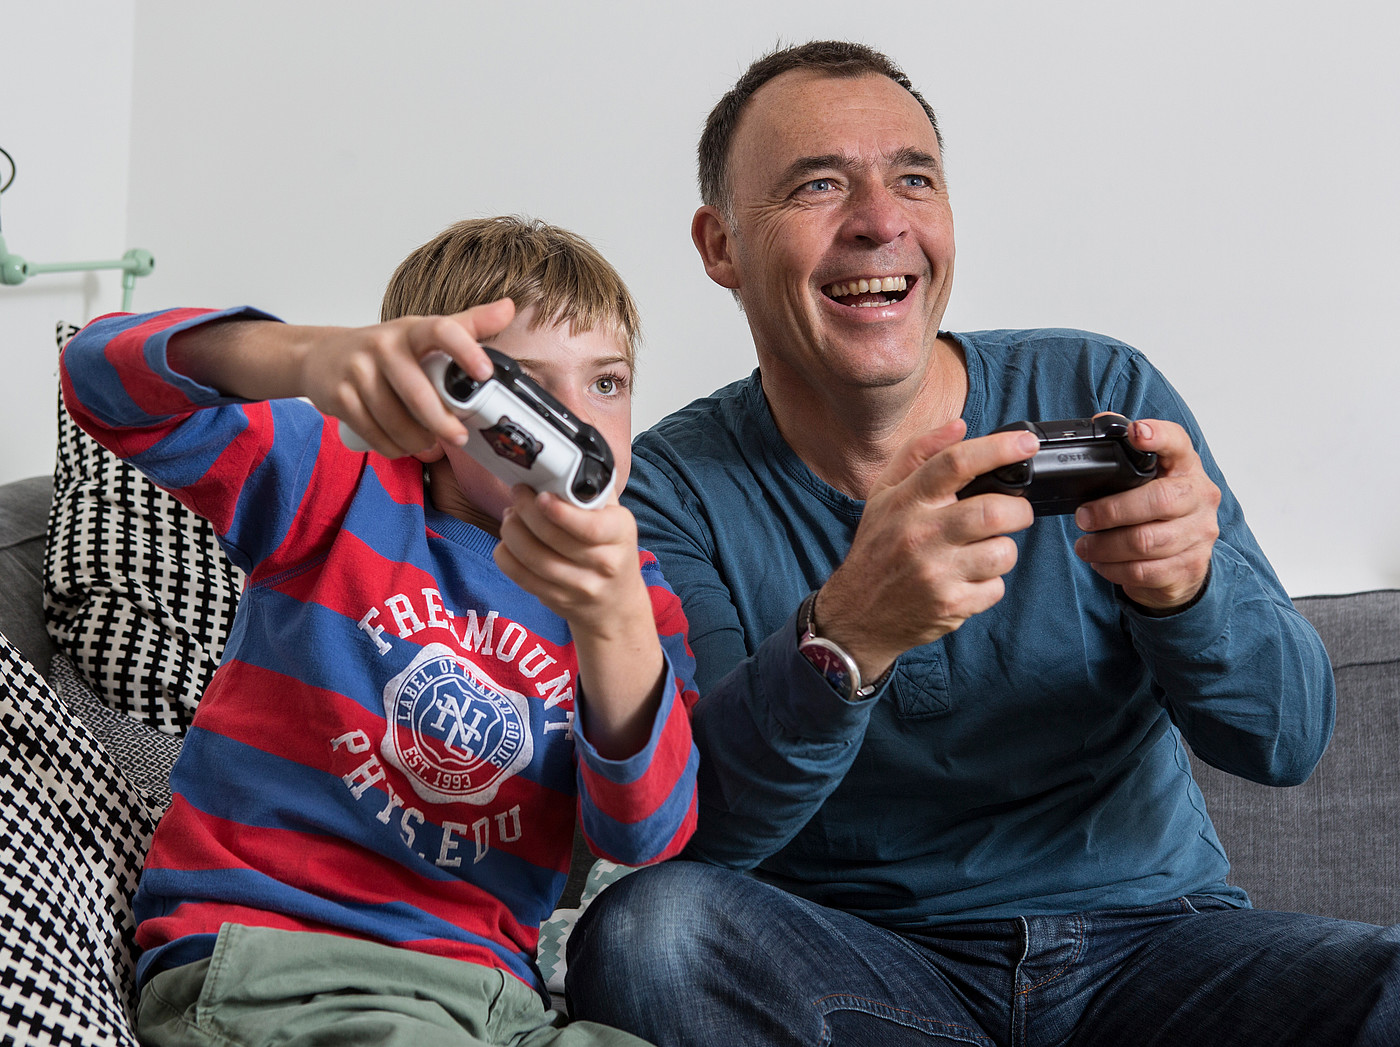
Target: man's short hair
(837, 58)
(480, 260)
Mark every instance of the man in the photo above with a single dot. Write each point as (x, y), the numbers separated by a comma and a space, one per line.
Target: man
(947, 738)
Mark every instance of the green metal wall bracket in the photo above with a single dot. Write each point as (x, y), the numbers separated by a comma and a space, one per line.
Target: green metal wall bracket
(136, 262)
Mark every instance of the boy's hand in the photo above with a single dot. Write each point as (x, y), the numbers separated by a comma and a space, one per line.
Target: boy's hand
(372, 377)
(583, 565)
(580, 563)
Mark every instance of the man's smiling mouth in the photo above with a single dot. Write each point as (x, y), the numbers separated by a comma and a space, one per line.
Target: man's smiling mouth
(869, 291)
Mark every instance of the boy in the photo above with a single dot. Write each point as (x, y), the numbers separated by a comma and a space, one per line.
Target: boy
(374, 807)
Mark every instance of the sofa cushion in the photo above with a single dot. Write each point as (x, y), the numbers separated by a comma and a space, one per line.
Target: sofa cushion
(137, 591)
(1329, 846)
(552, 953)
(75, 834)
(145, 755)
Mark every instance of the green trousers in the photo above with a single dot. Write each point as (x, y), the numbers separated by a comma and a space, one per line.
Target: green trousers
(264, 986)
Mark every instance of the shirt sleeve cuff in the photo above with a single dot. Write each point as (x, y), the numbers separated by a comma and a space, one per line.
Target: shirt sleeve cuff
(197, 393)
(630, 768)
(1205, 618)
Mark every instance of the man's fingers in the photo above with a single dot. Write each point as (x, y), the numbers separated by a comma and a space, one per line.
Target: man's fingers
(1155, 541)
(1168, 440)
(952, 469)
(915, 452)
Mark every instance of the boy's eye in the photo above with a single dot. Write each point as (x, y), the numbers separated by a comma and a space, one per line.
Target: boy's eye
(610, 384)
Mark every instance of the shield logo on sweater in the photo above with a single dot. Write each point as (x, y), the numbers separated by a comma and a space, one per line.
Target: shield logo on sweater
(452, 730)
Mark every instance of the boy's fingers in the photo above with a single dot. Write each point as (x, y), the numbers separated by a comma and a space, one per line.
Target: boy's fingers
(572, 532)
(464, 331)
(416, 393)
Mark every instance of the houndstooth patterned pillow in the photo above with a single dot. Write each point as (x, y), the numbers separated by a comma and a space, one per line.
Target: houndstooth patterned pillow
(76, 832)
(136, 589)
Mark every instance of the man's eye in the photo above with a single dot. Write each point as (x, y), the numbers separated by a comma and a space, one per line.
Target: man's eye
(918, 181)
(820, 185)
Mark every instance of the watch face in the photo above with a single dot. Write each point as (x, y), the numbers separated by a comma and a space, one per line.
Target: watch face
(831, 663)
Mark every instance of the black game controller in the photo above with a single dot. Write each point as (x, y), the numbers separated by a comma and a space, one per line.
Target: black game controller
(521, 434)
(1080, 459)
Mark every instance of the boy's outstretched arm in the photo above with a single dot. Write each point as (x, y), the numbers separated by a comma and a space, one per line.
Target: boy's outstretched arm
(370, 377)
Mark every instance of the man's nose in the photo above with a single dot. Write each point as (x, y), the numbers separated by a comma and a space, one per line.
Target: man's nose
(876, 214)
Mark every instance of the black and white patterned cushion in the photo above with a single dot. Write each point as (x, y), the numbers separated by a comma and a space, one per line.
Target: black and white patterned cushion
(76, 832)
(136, 589)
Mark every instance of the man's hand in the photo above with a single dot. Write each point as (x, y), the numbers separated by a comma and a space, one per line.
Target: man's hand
(922, 562)
(1155, 541)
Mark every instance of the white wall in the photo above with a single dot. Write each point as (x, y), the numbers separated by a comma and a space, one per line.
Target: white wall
(1210, 181)
(65, 117)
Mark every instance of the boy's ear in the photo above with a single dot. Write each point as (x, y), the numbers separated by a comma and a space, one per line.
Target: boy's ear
(715, 242)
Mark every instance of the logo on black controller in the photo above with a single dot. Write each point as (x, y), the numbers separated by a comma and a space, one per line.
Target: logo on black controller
(514, 442)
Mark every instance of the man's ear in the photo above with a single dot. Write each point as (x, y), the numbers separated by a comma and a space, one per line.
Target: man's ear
(715, 243)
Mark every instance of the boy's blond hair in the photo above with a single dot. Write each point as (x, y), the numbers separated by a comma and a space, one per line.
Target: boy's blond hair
(480, 260)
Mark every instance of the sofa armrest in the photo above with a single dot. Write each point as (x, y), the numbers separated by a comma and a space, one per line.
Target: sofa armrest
(1329, 846)
(24, 513)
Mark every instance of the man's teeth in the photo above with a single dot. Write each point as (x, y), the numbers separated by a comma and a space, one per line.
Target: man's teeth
(865, 286)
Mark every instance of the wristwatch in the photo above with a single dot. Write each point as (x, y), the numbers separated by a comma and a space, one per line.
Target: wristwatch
(830, 659)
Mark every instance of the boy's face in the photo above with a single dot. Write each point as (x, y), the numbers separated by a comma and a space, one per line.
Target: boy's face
(586, 371)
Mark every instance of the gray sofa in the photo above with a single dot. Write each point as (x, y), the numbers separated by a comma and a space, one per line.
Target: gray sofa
(1330, 846)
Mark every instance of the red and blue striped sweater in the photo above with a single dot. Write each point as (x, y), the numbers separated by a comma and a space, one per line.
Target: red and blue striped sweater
(388, 749)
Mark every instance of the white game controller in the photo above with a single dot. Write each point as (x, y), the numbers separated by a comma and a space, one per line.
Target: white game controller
(520, 433)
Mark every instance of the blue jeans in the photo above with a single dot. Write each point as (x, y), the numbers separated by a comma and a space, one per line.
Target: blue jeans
(685, 953)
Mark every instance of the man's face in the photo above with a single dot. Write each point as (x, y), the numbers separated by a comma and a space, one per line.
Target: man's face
(837, 186)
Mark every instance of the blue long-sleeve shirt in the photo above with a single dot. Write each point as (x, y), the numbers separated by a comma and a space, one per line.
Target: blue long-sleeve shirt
(1031, 761)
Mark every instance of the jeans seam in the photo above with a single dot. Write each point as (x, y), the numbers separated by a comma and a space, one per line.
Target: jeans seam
(900, 1015)
(1079, 942)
